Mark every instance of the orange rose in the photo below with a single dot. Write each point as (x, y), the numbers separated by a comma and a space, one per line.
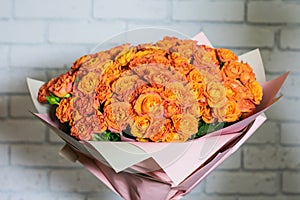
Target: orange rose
(125, 56)
(198, 90)
(63, 85)
(216, 94)
(117, 115)
(229, 113)
(256, 89)
(149, 103)
(112, 71)
(171, 108)
(232, 69)
(103, 92)
(207, 114)
(64, 110)
(236, 90)
(245, 105)
(88, 83)
(164, 131)
(225, 55)
(247, 73)
(185, 124)
(195, 75)
(79, 61)
(180, 63)
(140, 125)
(44, 90)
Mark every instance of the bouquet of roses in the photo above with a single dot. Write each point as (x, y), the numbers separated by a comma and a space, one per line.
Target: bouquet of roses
(139, 98)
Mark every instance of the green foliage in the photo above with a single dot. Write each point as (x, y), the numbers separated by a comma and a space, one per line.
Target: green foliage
(107, 136)
(52, 99)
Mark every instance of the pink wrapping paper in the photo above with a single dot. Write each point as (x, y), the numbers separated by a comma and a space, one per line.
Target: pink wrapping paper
(160, 170)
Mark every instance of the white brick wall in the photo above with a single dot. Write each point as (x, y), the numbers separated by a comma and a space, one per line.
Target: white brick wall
(40, 38)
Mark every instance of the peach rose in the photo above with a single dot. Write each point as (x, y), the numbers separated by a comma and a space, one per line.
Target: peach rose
(229, 113)
(225, 55)
(185, 124)
(117, 115)
(88, 83)
(256, 89)
(215, 94)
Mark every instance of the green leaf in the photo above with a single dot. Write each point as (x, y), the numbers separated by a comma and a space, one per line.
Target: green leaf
(67, 96)
(107, 136)
(52, 99)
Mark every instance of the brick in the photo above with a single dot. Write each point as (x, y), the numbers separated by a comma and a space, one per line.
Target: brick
(290, 134)
(291, 182)
(4, 53)
(283, 197)
(83, 33)
(235, 35)
(233, 162)
(289, 38)
(131, 9)
(267, 133)
(284, 109)
(45, 56)
(22, 131)
(271, 157)
(39, 155)
(282, 12)
(241, 183)
(105, 194)
(43, 9)
(46, 196)
(208, 197)
(4, 159)
(3, 106)
(14, 81)
(78, 180)
(22, 32)
(14, 179)
(202, 10)
(180, 29)
(5, 9)
(20, 106)
(281, 61)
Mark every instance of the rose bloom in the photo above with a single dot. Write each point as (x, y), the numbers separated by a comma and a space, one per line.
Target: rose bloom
(64, 110)
(204, 59)
(117, 115)
(232, 69)
(103, 92)
(216, 94)
(44, 90)
(171, 108)
(195, 75)
(148, 103)
(256, 90)
(125, 56)
(236, 90)
(247, 73)
(63, 85)
(185, 125)
(88, 83)
(206, 114)
(246, 105)
(167, 43)
(180, 63)
(229, 113)
(113, 52)
(165, 131)
(85, 104)
(140, 125)
(77, 64)
(225, 55)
